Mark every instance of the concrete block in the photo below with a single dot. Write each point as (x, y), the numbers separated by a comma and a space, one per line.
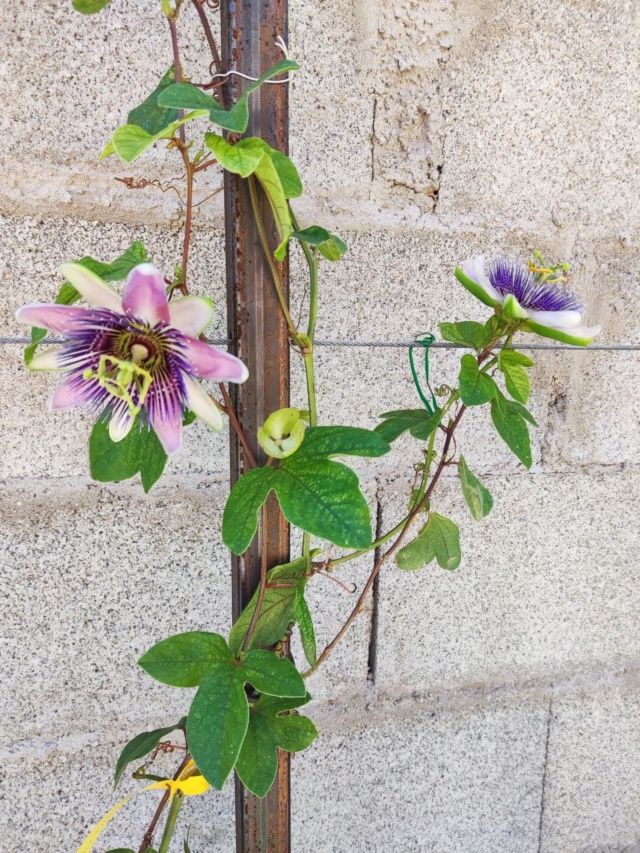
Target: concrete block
(592, 788)
(92, 578)
(438, 782)
(537, 597)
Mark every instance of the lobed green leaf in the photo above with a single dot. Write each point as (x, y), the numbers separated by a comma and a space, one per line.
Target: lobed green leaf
(139, 452)
(184, 660)
(439, 539)
(149, 115)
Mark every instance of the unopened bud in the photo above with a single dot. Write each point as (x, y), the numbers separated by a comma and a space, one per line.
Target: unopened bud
(282, 433)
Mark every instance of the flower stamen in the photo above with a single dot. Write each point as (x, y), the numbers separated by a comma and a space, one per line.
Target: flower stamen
(117, 376)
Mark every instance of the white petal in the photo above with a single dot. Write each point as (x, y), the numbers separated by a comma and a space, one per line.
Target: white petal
(47, 360)
(93, 289)
(202, 405)
(191, 314)
(120, 426)
(563, 320)
(473, 268)
(585, 331)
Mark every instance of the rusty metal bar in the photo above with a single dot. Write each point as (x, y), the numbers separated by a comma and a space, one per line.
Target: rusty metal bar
(258, 335)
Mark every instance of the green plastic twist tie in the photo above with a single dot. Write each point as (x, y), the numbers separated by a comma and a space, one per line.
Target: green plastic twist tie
(424, 341)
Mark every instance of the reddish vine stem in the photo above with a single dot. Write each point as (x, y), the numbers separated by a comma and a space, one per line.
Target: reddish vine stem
(148, 836)
(177, 68)
(188, 217)
(235, 423)
(206, 26)
(379, 564)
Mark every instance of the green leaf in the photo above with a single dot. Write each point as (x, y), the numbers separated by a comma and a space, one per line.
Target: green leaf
(287, 172)
(277, 611)
(517, 381)
(217, 723)
(269, 179)
(149, 115)
(125, 849)
(185, 659)
(418, 422)
(142, 745)
(316, 494)
(241, 158)
(271, 727)
(140, 451)
(509, 357)
(129, 141)
(240, 517)
(327, 441)
(189, 97)
(272, 675)
(466, 333)
(90, 7)
(305, 625)
(329, 245)
(439, 539)
(476, 387)
(513, 406)
(512, 428)
(478, 498)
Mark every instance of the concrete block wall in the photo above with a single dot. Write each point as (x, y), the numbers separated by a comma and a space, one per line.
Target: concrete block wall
(492, 709)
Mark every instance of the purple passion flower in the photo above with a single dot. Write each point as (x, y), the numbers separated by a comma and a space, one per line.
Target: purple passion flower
(133, 355)
(533, 294)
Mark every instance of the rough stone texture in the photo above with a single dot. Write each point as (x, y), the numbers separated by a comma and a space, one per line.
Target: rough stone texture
(424, 132)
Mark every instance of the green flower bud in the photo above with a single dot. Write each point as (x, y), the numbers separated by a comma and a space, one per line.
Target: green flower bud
(282, 433)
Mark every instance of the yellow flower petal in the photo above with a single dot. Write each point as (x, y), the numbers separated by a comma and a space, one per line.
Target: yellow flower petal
(90, 840)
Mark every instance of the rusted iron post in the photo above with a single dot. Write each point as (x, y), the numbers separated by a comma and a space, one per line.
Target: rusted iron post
(259, 336)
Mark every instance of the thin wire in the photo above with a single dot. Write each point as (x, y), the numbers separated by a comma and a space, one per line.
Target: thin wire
(396, 345)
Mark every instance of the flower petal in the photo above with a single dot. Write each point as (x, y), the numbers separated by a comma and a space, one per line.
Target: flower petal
(212, 363)
(579, 336)
(202, 405)
(93, 289)
(74, 391)
(145, 295)
(120, 424)
(168, 427)
(47, 360)
(473, 277)
(191, 314)
(563, 320)
(55, 318)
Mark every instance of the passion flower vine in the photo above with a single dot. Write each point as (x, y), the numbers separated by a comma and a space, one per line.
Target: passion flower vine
(135, 355)
(534, 294)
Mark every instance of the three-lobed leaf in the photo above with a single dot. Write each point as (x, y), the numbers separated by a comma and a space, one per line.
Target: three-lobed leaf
(129, 141)
(142, 745)
(478, 498)
(318, 495)
(149, 115)
(439, 539)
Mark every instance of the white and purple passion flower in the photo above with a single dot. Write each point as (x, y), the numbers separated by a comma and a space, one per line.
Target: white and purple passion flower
(133, 356)
(534, 294)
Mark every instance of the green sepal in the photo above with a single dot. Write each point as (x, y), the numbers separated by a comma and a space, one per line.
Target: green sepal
(476, 387)
(142, 745)
(554, 334)
(315, 493)
(512, 308)
(138, 452)
(475, 289)
(478, 498)
(439, 539)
